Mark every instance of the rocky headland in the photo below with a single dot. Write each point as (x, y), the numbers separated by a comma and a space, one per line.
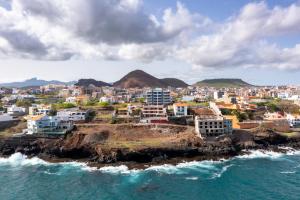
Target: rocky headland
(139, 146)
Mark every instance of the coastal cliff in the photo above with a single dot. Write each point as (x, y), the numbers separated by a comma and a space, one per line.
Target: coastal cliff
(138, 145)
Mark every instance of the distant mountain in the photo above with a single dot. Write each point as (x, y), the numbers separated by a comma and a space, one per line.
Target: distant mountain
(219, 83)
(174, 82)
(140, 79)
(34, 82)
(87, 82)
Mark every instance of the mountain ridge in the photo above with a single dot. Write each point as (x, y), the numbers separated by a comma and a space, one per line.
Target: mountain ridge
(140, 79)
(223, 82)
(34, 82)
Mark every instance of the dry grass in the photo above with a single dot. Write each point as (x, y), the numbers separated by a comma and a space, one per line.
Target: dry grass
(139, 137)
(13, 130)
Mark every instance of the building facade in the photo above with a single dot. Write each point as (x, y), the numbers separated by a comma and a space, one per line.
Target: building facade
(180, 109)
(158, 96)
(49, 125)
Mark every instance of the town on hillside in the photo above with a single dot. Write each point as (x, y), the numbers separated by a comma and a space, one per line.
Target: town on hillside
(211, 108)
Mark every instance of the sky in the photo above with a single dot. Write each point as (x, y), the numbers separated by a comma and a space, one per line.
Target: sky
(258, 41)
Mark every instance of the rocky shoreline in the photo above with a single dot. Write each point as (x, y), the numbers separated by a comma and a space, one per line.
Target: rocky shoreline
(95, 153)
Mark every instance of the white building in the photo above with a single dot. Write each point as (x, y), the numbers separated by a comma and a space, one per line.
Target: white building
(294, 120)
(212, 126)
(15, 110)
(180, 109)
(283, 95)
(39, 109)
(71, 99)
(218, 95)
(210, 122)
(158, 96)
(4, 117)
(72, 115)
(43, 124)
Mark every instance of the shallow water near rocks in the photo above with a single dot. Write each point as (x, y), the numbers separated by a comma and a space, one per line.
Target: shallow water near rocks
(258, 175)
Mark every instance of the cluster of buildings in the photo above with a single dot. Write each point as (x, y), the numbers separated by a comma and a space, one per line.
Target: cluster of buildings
(208, 109)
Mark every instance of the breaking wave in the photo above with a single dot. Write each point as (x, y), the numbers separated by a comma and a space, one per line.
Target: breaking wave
(213, 168)
(19, 159)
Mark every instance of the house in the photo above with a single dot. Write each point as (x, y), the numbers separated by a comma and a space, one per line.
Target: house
(272, 116)
(49, 125)
(39, 109)
(16, 111)
(82, 99)
(230, 98)
(218, 95)
(72, 115)
(71, 100)
(180, 109)
(4, 117)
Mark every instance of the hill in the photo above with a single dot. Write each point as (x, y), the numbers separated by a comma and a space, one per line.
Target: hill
(174, 82)
(87, 82)
(140, 79)
(219, 83)
(34, 82)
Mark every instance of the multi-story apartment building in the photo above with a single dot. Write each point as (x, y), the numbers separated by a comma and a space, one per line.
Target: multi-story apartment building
(158, 96)
(44, 124)
(213, 126)
(210, 122)
(154, 113)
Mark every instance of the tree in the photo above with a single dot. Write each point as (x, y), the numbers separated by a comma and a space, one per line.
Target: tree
(24, 103)
(239, 115)
(53, 110)
(103, 104)
(90, 115)
(92, 102)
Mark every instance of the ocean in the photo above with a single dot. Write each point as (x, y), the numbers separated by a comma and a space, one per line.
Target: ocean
(259, 175)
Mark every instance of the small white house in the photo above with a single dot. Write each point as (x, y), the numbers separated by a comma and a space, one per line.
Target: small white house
(71, 99)
(39, 109)
(180, 109)
(15, 110)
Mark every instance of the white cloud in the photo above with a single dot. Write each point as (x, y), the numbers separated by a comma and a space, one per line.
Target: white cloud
(55, 29)
(242, 40)
(122, 30)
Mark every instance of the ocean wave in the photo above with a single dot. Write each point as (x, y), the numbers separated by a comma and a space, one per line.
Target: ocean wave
(223, 170)
(217, 168)
(193, 178)
(19, 159)
(252, 154)
(288, 172)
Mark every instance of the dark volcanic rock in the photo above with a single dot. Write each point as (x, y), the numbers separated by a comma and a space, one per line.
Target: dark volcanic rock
(89, 147)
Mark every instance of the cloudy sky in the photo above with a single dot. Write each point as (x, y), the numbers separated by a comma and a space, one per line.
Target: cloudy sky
(258, 41)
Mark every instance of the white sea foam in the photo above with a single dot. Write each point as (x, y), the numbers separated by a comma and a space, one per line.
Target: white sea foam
(223, 170)
(166, 168)
(208, 166)
(122, 169)
(19, 159)
(288, 172)
(193, 178)
(252, 154)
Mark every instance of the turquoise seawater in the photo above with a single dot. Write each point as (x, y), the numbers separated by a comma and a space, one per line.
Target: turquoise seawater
(260, 175)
